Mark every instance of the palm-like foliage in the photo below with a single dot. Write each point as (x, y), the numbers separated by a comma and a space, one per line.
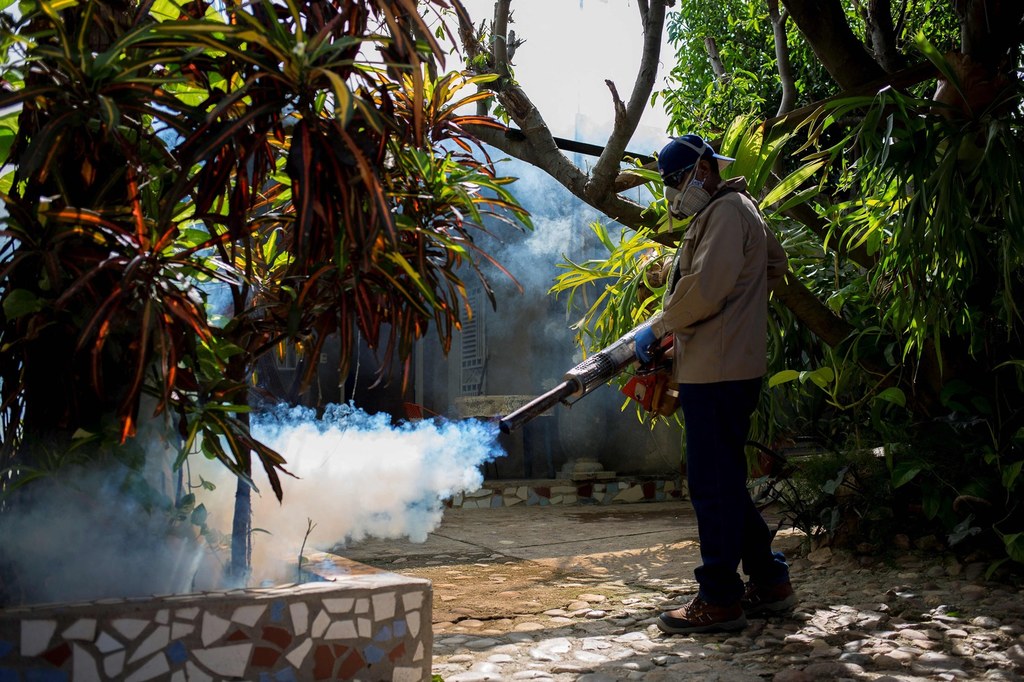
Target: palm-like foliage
(292, 154)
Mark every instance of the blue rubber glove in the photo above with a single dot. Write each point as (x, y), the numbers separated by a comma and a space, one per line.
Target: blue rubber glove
(644, 343)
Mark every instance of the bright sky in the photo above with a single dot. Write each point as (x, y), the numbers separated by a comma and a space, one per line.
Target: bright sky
(571, 48)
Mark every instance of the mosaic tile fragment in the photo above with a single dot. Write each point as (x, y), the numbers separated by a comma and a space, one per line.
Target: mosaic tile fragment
(214, 628)
(342, 629)
(83, 665)
(181, 630)
(130, 627)
(249, 615)
(197, 674)
(300, 617)
(154, 668)
(228, 661)
(298, 655)
(383, 605)
(35, 636)
(412, 600)
(340, 605)
(187, 614)
(113, 664)
(156, 641)
(83, 628)
(320, 624)
(106, 643)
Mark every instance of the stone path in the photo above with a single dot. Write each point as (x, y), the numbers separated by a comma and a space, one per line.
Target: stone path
(573, 595)
(857, 620)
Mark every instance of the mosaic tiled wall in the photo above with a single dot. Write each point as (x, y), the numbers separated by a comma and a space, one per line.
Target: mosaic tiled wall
(366, 624)
(495, 494)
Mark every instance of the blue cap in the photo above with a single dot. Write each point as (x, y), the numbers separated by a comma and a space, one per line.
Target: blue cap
(681, 154)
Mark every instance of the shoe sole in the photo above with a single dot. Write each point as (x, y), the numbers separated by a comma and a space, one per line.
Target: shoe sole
(774, 608)
(726, 626)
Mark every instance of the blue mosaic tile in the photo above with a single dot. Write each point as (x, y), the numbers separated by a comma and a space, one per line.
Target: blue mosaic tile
(5, 648)
(177, 653)
(373, 654)
(265, 677)
(44, 675)
(8, 675)
(497, 501)
(383, 635)
(277, 609)
(400, 628)
(285, 675)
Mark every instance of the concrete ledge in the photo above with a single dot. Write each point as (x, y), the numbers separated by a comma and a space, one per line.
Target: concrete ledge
(544, 492)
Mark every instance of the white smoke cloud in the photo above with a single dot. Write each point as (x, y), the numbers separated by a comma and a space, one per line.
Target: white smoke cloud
(358, 475)
(113, 531)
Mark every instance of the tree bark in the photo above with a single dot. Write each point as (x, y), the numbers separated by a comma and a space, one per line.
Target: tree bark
(823, 24)
(784, 67)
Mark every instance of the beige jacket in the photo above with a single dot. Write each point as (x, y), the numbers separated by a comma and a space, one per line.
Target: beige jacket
(717, 299)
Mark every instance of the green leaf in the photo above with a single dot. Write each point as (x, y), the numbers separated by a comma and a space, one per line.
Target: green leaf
(783, 377)
(893, 395)
(821, 377)
(1010, 475)
(791, 182)
(904, 472)
(21, 302)
(1015, 546)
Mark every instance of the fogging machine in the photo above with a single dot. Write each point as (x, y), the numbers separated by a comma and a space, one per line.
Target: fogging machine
(595, 371)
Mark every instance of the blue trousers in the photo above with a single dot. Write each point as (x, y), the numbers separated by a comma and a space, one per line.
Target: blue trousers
(731, 529)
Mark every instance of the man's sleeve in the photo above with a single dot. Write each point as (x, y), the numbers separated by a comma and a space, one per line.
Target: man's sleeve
(717, 262)
(778, 263)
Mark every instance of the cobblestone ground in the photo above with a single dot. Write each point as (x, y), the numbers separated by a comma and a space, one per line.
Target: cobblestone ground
(857, 620)
(575, 594)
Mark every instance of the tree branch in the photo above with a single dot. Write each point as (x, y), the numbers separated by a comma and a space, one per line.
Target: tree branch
(534, 143)
(626, 119)
(823, 24)
(785, 69)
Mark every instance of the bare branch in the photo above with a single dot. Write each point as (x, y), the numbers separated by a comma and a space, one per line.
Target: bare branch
(607, 167)
(533, 141)
(716, 59)
(778, 20)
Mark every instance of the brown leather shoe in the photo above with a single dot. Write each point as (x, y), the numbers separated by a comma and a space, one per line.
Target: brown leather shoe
(768, 600)
(699, 616)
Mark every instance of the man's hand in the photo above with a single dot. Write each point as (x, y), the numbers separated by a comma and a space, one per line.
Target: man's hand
(644, 343)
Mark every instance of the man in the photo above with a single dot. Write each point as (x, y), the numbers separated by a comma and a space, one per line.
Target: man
(716, 308)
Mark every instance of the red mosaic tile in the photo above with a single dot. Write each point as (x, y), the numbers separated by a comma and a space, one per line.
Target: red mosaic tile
(278, 636)
(397, 652)
(237, 636)
(585, 490)
(543, 491)
(353, 665)
(649, 489)
(58, 655)
(323, 663)
(340, 650)
(264, 657)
